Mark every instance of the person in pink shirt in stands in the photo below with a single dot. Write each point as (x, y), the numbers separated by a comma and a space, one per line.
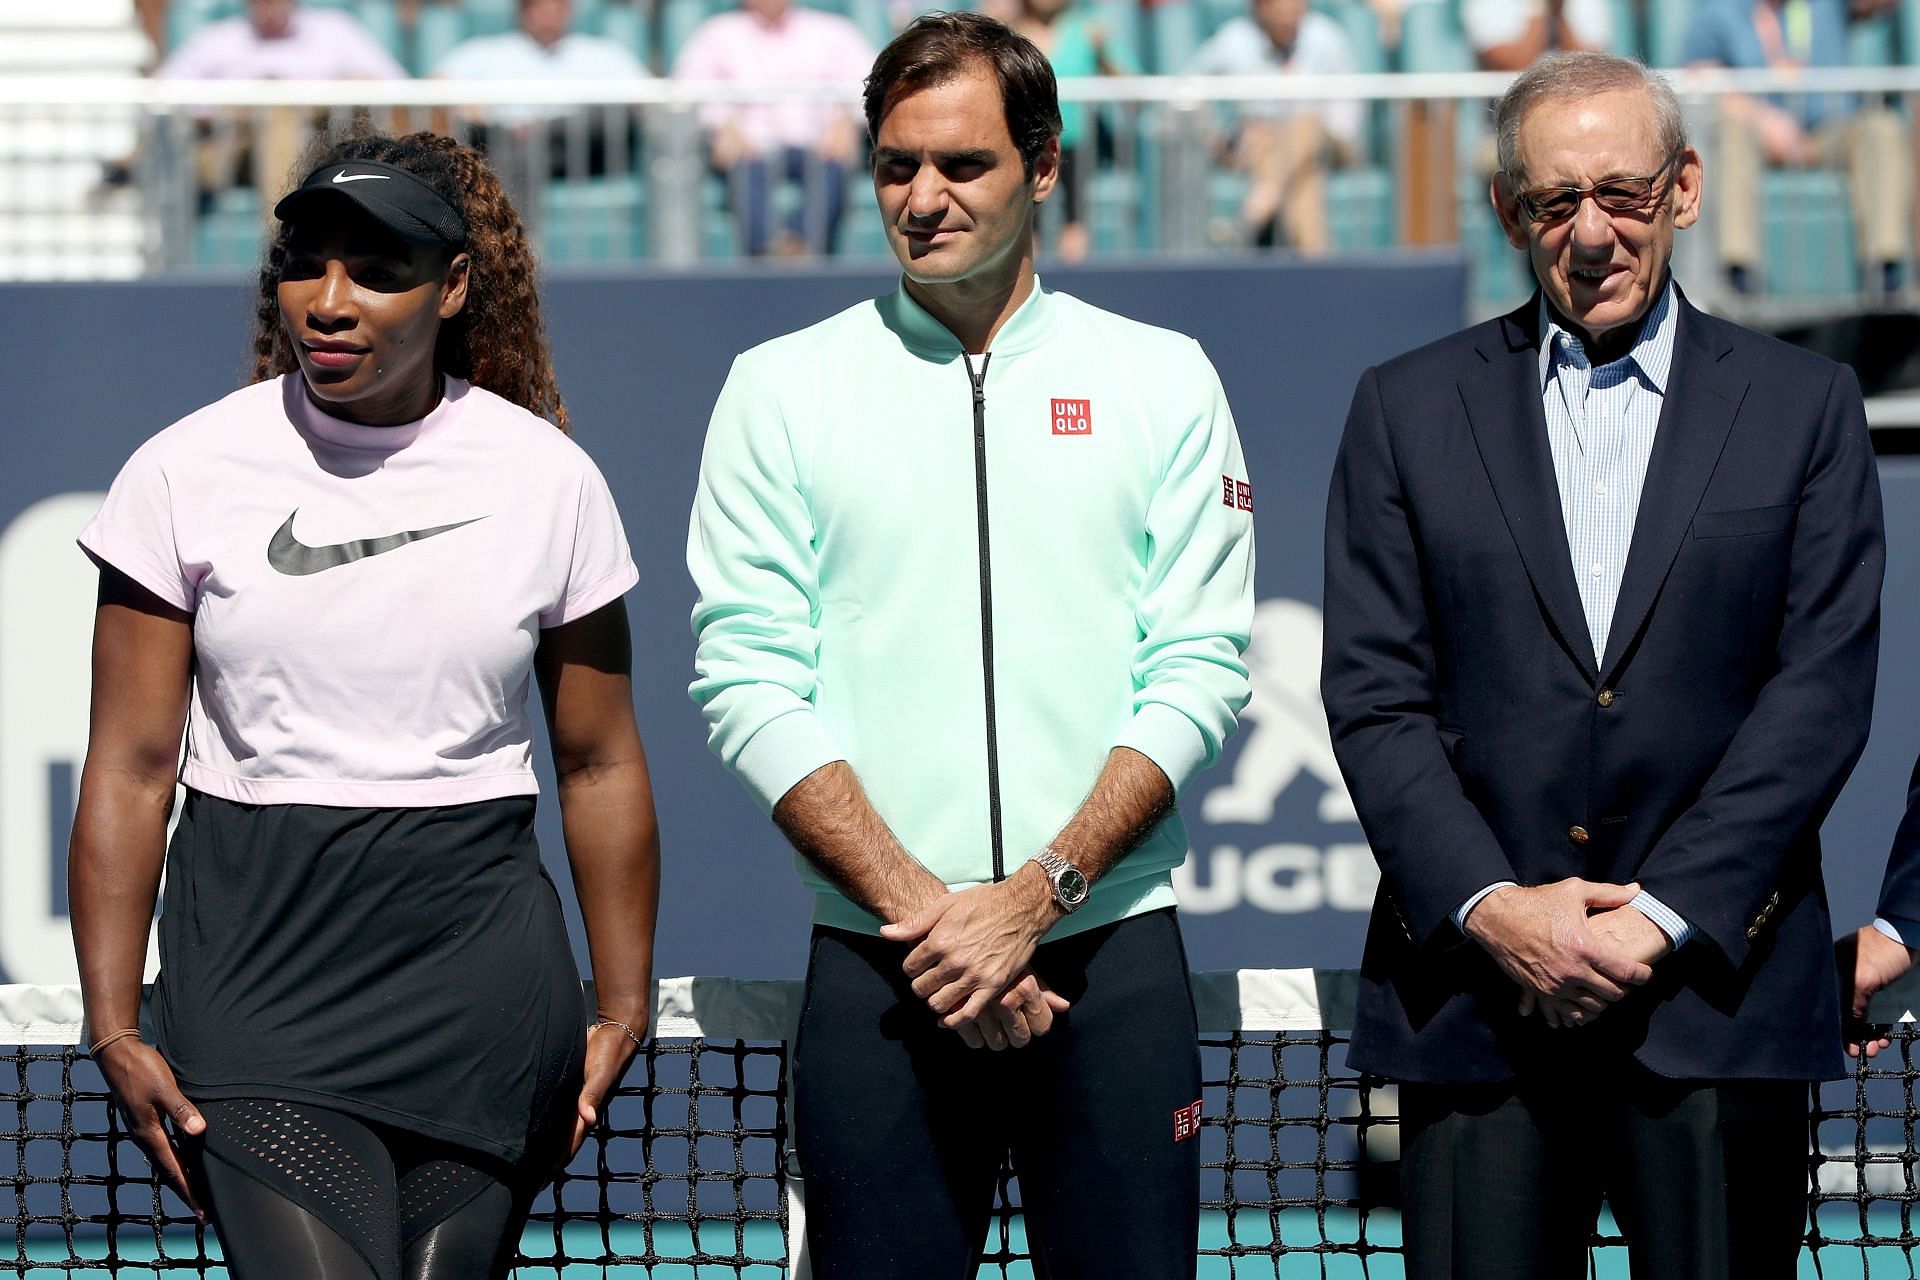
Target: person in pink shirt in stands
(758, 144)
(273, 40)
(278, 40)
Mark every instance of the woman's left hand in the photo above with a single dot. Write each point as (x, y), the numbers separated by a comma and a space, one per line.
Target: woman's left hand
(609, 1052)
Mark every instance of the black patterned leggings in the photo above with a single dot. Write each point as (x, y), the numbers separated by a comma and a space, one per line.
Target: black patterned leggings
(299, 1192)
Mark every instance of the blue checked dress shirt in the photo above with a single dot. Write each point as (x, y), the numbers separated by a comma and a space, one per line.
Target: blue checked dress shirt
(1601, 422)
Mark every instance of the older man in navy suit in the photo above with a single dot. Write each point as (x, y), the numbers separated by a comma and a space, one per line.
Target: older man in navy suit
(1602, 609)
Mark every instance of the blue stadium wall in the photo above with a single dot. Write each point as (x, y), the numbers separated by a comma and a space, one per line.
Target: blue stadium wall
(1279, 874)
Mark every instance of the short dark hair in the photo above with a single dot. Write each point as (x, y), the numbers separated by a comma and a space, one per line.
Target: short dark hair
(937, 47)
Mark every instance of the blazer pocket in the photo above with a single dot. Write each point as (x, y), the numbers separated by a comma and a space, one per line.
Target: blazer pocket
(1742, 523)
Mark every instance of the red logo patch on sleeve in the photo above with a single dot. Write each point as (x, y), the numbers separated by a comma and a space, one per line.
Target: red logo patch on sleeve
(1226, 490)
(1243, 495)
(1072, 417)
(1186, 1122)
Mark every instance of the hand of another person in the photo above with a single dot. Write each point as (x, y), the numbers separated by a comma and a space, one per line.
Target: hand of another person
(839, 142)
(729, 146)
(159, 1117)
(1023, 1012)
(1782, 138)
(609, 1052)
(1540, 938)
(1868, 960)
(973, 944)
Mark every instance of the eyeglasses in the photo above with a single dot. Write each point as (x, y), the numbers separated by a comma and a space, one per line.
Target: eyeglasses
(1615, 195)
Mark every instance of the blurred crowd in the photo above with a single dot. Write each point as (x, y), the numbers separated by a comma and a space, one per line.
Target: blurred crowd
(1285, 151)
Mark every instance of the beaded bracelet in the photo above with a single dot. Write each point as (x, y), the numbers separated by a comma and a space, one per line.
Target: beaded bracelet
(615, 1022)
(104, 1041)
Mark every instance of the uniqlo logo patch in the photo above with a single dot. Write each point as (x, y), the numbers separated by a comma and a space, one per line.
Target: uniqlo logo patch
(1236, 493)
(1072, 417)
(1186, 1122)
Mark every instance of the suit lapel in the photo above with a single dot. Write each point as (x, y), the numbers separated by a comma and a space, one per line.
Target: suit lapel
(1702, 397)
(1502, 399)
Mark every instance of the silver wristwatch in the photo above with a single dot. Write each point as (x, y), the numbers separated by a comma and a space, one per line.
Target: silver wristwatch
(1070, 887)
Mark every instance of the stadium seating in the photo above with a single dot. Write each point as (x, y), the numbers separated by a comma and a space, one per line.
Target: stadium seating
(607, 220)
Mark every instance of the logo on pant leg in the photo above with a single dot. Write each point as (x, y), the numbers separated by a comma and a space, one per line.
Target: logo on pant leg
(1186, 1122)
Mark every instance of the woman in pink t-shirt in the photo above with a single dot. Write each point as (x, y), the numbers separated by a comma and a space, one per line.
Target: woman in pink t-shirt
(370, 1043)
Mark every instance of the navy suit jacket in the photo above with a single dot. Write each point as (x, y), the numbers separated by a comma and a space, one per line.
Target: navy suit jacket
(1900, 889)
(1699, 757)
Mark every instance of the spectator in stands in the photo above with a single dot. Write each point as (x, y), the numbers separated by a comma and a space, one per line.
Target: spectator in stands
(280, 40)
(1286, 148)
(1075, 45)
(273, 40)
(545, 47)
(756, 145)
(1800, 131)
(1508, 35)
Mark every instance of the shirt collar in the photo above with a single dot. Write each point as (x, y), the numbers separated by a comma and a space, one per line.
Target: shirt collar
(1652, 351)
(917, 327)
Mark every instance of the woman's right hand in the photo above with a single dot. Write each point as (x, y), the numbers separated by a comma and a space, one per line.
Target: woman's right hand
(157, 1113)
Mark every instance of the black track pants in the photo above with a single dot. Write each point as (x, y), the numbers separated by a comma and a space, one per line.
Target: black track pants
(901, 1128)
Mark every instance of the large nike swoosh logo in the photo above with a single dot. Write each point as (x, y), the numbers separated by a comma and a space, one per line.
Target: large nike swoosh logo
(296, 559)
(344, 176)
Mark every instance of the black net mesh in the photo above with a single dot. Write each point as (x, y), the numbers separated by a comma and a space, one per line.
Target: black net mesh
(686, 1177)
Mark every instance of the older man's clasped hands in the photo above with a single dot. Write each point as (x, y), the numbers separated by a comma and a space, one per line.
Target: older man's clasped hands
(1573, 947)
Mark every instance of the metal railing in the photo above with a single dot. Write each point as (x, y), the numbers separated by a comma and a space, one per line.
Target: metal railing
(118, 177)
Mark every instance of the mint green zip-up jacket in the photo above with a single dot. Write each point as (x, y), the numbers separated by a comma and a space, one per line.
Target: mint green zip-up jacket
(843, 562)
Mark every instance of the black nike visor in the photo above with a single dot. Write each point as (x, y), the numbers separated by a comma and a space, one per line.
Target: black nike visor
(399, 201)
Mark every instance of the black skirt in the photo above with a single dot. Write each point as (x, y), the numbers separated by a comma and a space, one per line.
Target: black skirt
(407, 966)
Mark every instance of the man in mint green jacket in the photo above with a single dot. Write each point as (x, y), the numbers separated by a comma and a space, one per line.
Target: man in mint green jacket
(975, 564)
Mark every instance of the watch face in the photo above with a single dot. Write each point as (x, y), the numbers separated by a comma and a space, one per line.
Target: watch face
(1072, 887)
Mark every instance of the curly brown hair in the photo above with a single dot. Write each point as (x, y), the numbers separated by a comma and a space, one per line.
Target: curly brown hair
(498, 341)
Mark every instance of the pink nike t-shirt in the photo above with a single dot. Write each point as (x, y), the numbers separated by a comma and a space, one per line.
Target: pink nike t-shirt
(366, 600)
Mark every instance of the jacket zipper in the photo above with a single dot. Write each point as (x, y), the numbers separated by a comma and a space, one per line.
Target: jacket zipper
(979, 381)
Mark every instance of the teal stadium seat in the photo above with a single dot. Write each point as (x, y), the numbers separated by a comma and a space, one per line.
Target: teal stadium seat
(232, 233)
(1807, 235)
(863, 235)
(436, 30)
(1431, 38)
(489, 17)
(594, 220)
(678, 18)
(1214, 14)
(184, 17)
(1124, 23)
(627, 25)
(1172, 35)
(1627, 40)
(1874, 42)
(872, 18)
(381, 18)
(1116, 211)
(1360, 209)
(1357, 19)
(1667, 22)
(1497, 273)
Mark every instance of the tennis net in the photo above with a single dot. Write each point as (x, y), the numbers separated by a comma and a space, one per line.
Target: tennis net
(689, 1176)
